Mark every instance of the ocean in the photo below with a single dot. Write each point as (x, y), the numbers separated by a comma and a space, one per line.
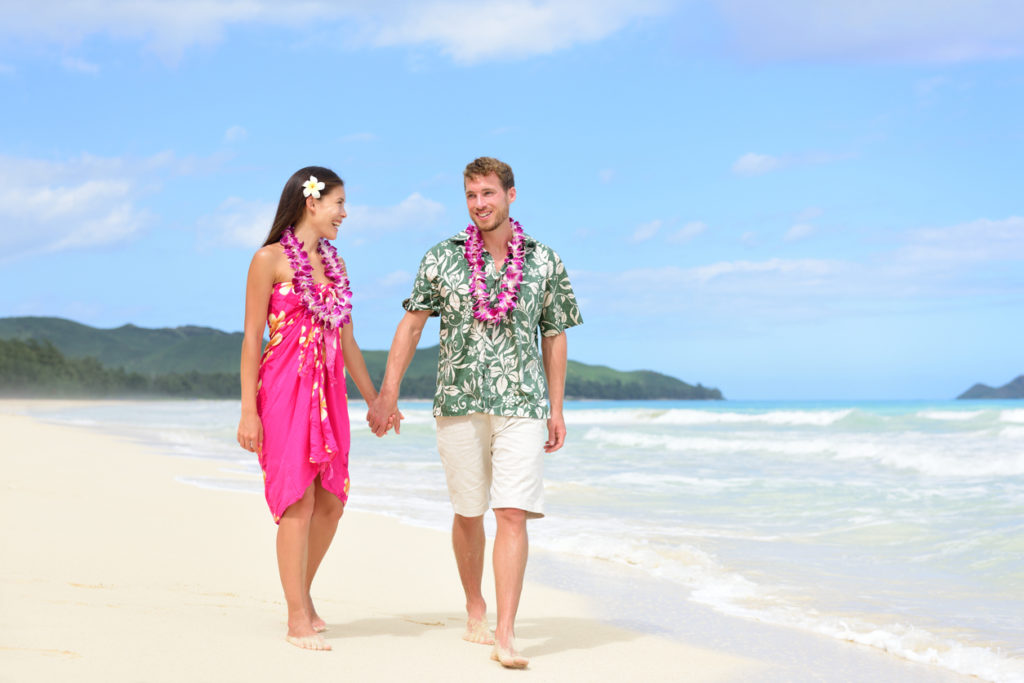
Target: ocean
(897, 525)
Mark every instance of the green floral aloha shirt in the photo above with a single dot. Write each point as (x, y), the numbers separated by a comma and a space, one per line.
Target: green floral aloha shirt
(494, 369)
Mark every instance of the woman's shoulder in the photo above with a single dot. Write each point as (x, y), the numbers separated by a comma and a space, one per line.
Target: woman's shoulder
(270, 261)
(269, 255)
(272, 250)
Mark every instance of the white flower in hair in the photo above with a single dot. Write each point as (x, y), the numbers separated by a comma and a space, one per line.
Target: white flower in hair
(312, 187)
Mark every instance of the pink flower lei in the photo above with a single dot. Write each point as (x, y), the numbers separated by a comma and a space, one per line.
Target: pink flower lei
(329, 306)
(508, 295)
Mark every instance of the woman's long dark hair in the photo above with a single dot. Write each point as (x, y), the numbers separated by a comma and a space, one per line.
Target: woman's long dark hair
(293, 202)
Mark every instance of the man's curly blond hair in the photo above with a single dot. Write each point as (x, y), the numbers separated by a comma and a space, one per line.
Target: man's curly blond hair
(487, 165)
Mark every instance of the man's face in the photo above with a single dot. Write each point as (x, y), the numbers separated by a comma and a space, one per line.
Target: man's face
(487, 202)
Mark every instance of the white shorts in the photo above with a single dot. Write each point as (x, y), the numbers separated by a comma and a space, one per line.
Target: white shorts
(493, 461)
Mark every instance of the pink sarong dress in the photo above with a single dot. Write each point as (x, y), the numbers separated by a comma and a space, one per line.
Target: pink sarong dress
(301, 401)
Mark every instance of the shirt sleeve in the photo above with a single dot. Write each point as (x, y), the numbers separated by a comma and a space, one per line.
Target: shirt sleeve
(424, 295)
(559, 311)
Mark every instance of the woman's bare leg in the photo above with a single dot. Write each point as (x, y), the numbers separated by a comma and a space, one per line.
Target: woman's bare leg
(327, 510)
(292, 560)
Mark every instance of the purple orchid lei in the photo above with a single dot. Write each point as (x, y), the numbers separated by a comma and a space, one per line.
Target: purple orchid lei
(329, 306)
(510, 282)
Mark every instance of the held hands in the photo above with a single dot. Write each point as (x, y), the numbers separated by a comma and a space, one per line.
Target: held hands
(383, 414)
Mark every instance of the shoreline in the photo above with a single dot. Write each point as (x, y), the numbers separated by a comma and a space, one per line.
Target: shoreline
(205, 567)
(110, 580)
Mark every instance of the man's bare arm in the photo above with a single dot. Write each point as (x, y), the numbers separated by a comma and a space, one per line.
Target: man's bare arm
(555, 350)
(403, 348)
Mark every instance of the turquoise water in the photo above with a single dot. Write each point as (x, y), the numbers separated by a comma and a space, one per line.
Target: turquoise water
(898, 525)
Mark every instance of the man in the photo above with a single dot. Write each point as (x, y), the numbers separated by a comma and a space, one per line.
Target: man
(490, 401)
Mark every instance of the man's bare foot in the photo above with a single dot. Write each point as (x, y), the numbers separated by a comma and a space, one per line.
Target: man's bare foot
(477, 631)
(313, 642)
(508, 656)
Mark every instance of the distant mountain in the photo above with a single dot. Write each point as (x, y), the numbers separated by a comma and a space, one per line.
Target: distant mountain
(136, 349)
(206, 359)
(1014, 389)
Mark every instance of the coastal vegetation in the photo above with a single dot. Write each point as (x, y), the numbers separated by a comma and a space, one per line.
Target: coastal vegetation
(57, 357)
(36, 368)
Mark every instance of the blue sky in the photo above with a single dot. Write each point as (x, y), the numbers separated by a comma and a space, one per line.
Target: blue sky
(800, 199)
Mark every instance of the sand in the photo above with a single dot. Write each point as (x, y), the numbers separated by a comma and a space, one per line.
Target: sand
(116, 570)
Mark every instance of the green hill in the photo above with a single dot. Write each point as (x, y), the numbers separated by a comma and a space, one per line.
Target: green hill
(204, 361)
(136, 349)
(1012, 389)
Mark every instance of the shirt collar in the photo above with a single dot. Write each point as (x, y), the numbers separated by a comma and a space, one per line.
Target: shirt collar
(528, 242)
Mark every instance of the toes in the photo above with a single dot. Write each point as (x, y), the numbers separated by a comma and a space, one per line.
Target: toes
(508, 657)
(477, 632)
(314, 642)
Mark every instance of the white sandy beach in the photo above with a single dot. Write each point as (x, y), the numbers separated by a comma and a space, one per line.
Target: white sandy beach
(114, 570)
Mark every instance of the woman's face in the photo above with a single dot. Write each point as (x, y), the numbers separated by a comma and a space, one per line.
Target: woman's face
(329, 212)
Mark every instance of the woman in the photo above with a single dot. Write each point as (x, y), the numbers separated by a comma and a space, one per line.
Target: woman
(294, 407)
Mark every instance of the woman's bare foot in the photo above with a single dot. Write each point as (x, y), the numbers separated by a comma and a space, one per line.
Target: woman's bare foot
(311, 642)
(319, 625)
(302, 632)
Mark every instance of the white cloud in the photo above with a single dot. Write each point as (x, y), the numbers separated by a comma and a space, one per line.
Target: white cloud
(53, 205)
(116, 223)
(472, 31)
(235, 134)
(687, 232)
(503, 29)
(756, 164)
(646, 231)
(809, 214)
(745, 290)
(415, 212)
(752, 164)
(167, 28)
(398, 278)
(243, 223)
(893, 31)
(79, 65)
(731, 272)
(799, 232)
(801, 268)
(467, 31)
(978, 241)
(936, 268)
(238, 222)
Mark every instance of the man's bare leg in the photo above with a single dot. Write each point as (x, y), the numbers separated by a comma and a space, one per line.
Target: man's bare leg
(468, 542)
(511, 547)
(327, 511)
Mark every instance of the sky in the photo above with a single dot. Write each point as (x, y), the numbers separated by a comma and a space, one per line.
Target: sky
(803, 199)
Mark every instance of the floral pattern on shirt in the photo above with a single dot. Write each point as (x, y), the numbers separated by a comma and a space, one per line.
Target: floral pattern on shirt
(494, 369)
